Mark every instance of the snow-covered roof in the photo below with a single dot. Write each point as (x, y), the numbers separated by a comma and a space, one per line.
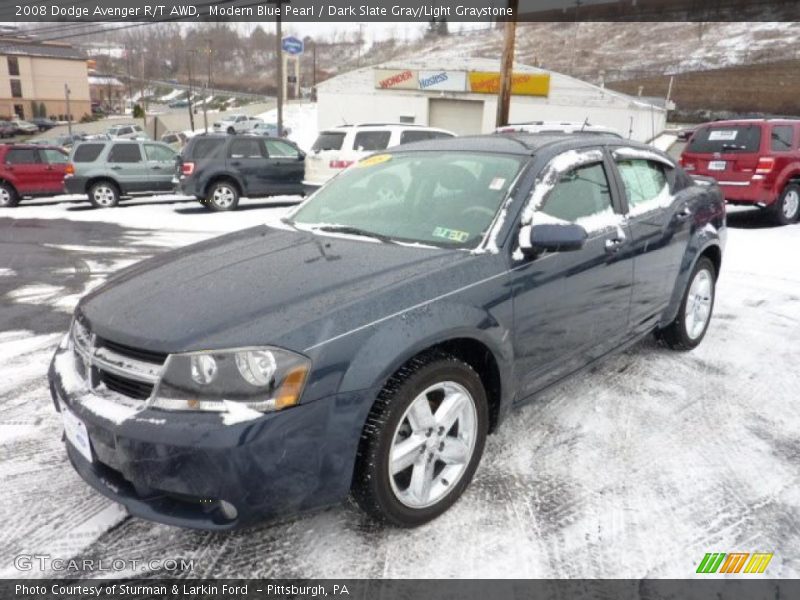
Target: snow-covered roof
(104, 80)
(363, 78)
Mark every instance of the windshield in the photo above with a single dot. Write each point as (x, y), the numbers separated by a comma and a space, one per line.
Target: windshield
(726, 138)
(446, 199)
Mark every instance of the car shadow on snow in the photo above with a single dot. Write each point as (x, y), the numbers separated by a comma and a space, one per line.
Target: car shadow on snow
(199, 210)
(131, 202)
(755, 218)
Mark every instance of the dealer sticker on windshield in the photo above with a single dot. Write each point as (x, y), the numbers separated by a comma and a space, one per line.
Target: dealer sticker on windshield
(375, 160)
(451, 234)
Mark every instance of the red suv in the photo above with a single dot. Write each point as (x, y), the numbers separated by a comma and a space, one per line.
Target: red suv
(755, 161)
(30, 170)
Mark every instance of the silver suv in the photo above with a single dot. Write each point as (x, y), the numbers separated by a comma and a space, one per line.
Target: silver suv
(106, 171)
(128, 131)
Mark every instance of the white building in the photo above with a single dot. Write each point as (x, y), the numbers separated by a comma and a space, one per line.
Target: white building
(462, 96)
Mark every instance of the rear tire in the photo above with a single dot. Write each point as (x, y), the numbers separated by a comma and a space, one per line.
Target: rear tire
(422, 441)
(104, 194)
(694, 315)
(786, 209)
(222, 196)
(8, 196)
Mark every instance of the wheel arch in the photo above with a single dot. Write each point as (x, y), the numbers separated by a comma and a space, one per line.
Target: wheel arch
(710, 248)
(217, 177)
(98, 178)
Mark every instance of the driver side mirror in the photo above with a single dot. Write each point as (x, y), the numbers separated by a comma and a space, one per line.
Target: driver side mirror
(552, 237)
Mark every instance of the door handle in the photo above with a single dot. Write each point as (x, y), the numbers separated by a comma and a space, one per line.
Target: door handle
(236, 163)
(115, 168)
(613, 244)
(684, 214)
(156, 168)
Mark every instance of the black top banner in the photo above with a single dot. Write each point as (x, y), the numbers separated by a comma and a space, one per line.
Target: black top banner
(398, 10)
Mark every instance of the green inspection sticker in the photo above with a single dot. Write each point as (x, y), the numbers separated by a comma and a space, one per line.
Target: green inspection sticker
(451, 234)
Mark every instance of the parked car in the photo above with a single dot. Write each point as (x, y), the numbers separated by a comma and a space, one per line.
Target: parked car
(28, 170)
(175, 140)
(269, 130)
(182, 103)
(68, 141)
(756, 163)
(108, 170)
(7, 130)
(129, 131)
(235, 124)
(337, 148)
(219, 169)
(24, 127)
(369, 343)
(557, 127)
(43, 123)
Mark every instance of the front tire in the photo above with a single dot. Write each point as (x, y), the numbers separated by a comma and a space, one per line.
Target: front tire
(8, 196)
(422, 441)
(104, 194)
(786, 209)
(690, 326)
(222, 196)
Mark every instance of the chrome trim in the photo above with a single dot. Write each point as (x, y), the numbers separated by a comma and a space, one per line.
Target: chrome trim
(734, 183)
(121, 365)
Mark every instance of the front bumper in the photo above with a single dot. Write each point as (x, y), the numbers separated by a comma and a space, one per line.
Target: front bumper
(177, 468)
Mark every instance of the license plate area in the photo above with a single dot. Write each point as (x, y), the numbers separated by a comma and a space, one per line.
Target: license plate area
(717, 165)
(76, 432)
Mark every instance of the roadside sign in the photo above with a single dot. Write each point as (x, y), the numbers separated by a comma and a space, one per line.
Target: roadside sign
(292, 45)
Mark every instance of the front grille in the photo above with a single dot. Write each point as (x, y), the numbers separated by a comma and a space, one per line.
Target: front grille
(125, 386)
(137, 353)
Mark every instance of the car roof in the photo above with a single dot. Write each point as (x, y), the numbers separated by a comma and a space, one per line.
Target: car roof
(386, 125)
(758, 121)
(524, 144)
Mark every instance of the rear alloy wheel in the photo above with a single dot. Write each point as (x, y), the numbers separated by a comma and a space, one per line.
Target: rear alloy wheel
(690, 326)
(787, 208)
(8, 196)
(104, 194)
(222, 196)
(422, 442)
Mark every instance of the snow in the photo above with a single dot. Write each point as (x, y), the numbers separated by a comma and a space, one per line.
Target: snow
(634, 153)
(301, 119)
(687, 452)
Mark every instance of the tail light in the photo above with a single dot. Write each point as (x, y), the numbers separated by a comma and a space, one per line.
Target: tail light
(69, 169)
(687, 164)
(187, 168)
(765, 165)
(340, 164)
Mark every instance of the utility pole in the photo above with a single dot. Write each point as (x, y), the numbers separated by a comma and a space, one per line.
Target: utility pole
(314, 72)
(191, 109)
(279, 60)
(69, 112)
(143, 84)
(507, 66)
(209, 51)
(130, 77)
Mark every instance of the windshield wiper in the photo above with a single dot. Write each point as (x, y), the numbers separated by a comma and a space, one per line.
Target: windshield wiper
(347, 229)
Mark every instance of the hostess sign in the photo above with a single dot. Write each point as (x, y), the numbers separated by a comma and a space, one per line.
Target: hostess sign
(477, 82)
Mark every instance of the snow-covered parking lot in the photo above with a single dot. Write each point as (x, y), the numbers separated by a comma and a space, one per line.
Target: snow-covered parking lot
(636, 469)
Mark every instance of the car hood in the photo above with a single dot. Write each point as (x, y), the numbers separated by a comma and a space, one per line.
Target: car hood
(263, 286)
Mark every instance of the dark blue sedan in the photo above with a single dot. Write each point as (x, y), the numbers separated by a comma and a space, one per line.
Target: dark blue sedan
(369, 344)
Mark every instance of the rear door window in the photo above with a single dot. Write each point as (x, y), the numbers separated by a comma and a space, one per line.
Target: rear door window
(87, 152)
(420, 135)
(329, 140)
(781, 138)
(246, 148)
(125, 153)
(369, 141)
(727, 138)
(581, 193)
(22, 156)
(644, 180)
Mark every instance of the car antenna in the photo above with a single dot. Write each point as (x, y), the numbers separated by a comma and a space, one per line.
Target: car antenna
(585, 123)
(630, 131)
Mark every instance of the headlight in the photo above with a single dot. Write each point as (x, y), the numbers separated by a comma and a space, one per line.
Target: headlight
(262, 379)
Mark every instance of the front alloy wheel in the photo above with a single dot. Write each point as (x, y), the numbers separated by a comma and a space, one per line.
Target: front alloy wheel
(690, 326)
(422, 441)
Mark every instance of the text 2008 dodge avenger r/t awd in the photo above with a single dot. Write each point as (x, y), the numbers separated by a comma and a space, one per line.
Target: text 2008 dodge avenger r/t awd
(369, 344)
